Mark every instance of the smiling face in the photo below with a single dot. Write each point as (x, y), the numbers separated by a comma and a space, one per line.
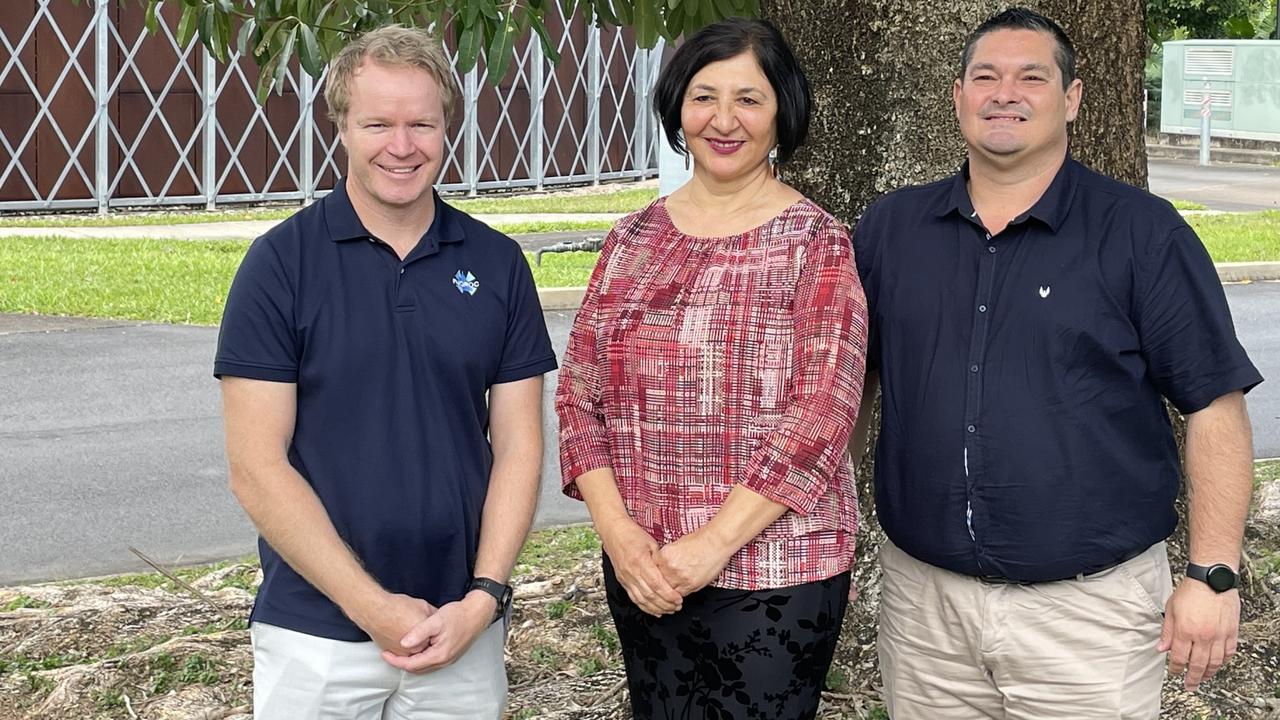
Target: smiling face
(729, 118)
(1010, 103)
(394, 136)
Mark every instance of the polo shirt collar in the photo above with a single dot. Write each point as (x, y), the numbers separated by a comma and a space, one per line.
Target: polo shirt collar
(343, 223)
(1051, 209)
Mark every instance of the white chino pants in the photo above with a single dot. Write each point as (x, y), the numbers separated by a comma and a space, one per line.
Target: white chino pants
(303, 677)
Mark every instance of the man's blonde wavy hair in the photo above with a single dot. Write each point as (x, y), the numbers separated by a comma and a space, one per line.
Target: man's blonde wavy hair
(392, 46)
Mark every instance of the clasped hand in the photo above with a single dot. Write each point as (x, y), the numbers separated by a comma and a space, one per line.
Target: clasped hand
(418, 637)
(658, 578)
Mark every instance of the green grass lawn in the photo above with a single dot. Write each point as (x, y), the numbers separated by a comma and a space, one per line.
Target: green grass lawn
(176, 281)
(1266, 471)
(154, 280)
(1187, 205)
(182, 281)
(1240, 237)
(616, 201)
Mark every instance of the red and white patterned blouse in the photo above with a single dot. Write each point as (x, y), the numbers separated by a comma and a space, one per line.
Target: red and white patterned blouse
(696, 364)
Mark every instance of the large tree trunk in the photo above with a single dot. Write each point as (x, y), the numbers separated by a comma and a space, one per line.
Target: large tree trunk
(882, 72)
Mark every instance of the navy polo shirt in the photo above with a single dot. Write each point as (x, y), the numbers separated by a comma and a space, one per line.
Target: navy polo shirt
(1022, 431)
(392, 361)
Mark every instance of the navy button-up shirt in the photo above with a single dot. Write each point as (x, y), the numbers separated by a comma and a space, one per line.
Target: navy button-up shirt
(1023, 433)
(392, 359)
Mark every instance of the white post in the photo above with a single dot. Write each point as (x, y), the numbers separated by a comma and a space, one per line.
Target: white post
(101, 82)
(470, 130)
(306, 160)
(537, 89)
(593, 97)
(1206, 113)
(209, 129)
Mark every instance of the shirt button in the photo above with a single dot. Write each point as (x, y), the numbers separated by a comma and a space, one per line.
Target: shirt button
(401, 271)
(982, 308)
(991, 248)
(973, 368)
(972, 428)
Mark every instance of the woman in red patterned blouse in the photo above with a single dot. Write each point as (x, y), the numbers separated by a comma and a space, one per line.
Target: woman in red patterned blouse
(711, 382)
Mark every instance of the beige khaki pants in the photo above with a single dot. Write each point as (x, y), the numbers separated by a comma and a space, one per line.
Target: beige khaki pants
(951, 646)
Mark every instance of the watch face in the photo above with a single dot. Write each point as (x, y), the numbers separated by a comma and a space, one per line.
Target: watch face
(1221, 578)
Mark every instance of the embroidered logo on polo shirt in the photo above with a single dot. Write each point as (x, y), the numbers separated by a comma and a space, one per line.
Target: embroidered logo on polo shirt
(1044, 291)
(466, 283)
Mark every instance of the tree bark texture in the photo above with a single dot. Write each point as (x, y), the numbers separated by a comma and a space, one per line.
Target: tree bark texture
(882, 73)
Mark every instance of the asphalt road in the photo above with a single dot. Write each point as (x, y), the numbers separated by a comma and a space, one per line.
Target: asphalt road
(110, 436)
(1228, 187)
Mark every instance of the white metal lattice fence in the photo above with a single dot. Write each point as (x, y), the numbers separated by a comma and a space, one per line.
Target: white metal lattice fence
(91, 125)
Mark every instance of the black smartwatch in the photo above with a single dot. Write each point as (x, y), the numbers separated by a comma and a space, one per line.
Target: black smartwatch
(1220, 578)
(500, 592)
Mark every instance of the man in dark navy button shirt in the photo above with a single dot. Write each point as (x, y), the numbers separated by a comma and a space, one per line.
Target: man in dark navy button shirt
(1027, 318)
(381, 357)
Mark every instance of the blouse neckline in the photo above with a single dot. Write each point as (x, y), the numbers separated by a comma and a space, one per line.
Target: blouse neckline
(667, 219)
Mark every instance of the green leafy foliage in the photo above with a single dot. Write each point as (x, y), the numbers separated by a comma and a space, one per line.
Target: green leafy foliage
(1207, 19)
(274, 32)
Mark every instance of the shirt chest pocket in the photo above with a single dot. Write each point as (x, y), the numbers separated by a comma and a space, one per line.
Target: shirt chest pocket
(1073, 330)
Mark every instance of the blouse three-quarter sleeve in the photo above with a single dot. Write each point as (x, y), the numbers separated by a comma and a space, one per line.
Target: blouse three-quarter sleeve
(584, 444)
(795, 462)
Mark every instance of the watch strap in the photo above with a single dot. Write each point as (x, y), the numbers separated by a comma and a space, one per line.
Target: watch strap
(500, 592)
(1218, 570)
(1198, 572)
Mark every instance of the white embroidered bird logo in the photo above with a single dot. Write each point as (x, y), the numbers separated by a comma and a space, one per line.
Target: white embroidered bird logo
(1044, 291)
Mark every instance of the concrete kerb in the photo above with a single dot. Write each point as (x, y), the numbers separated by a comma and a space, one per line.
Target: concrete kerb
(564, 298)
(1248, 271)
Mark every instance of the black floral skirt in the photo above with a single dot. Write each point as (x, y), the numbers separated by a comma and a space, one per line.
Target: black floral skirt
(730, 654)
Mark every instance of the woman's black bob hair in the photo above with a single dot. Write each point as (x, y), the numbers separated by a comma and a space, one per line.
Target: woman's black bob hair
(721, 41)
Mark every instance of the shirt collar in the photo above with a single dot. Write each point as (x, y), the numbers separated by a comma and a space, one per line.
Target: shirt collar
(343, 223)
(1051, 209)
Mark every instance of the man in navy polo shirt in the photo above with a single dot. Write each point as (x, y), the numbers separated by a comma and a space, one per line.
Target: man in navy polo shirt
(1027, 317)
(381, 358)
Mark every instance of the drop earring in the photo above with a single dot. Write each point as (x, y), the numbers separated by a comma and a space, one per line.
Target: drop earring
(773, 161)
(686, 160)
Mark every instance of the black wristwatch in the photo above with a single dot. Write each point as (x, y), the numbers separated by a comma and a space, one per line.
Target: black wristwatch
(1220, 578)
(500, 592)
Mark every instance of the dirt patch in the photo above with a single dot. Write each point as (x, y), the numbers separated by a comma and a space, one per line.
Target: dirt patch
(144, 648)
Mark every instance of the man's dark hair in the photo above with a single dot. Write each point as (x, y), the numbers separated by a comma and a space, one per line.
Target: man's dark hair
(726, 39)
(1020, 18)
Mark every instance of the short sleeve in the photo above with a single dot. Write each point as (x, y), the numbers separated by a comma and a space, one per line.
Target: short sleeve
(1188, 339)
(526, 348)
(258, 337)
